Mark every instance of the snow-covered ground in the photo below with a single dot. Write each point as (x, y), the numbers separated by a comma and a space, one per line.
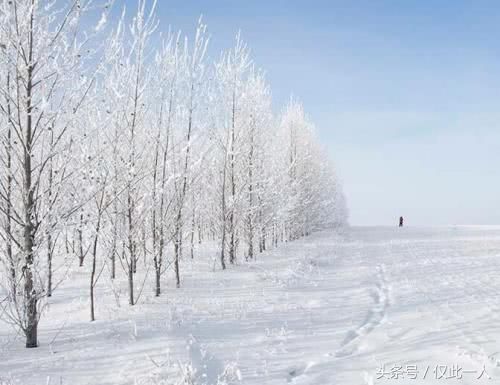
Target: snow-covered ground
(373, 306)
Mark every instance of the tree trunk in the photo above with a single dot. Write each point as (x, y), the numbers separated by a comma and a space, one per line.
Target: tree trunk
(81, 254)
(8, 219)
(113, 262)
(94, 258)
(49, 217)
(177, 251)
(30, 293)
(49, 265)
(131, 285)
(193, 227)
(223, 248)
(131, 246)
(250, 196)
(92, 278)
(232, 247)
(157, 281)
(158, 260)
(232, 227)
(223, 220)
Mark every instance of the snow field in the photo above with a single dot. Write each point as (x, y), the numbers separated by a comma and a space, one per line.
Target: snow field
(328, 309)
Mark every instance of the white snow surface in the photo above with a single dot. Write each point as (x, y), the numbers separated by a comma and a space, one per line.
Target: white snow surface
(345, 309)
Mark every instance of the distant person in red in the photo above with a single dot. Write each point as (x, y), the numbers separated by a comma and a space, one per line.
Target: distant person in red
(400, 221)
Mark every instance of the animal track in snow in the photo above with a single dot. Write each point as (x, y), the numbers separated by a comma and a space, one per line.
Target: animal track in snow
(380, 296)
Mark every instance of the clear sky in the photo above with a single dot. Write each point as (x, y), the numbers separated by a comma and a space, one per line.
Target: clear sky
(405, 94)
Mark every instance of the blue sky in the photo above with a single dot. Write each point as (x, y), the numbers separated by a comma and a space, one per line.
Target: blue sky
(405, 94)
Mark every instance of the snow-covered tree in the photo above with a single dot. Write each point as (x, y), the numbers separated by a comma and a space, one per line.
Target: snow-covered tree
(47, 65)
(122, 150)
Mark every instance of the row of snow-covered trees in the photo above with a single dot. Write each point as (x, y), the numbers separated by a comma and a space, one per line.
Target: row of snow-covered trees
(120, 145)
